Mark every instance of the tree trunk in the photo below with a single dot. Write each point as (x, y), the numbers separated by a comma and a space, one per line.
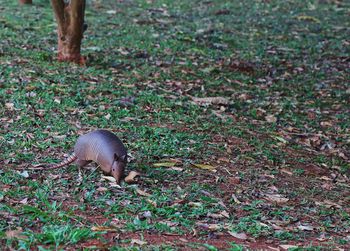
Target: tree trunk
(70, 20)
(25, 1)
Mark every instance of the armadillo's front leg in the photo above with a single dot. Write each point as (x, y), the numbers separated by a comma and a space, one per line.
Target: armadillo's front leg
(82, 162)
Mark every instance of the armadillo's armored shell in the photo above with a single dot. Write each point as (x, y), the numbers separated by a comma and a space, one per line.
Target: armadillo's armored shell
(100, 146)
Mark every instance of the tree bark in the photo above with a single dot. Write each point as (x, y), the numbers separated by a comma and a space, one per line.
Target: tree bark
(25, 1)
(70, 21)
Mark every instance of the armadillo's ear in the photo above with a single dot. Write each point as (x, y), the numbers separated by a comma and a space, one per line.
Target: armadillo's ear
(116, 158)
(123, 158)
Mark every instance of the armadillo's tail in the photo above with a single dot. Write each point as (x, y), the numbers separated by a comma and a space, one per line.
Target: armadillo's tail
(65, 162)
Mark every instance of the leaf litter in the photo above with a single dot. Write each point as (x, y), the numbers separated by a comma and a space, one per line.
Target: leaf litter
(276, 118)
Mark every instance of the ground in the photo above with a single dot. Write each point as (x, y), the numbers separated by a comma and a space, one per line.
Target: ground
(235, 113)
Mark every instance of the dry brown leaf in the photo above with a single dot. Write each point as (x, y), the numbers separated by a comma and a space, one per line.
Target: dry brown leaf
(195, 204)
(24, 201)
(220, 215)
(328, 204)
(305, 227)
(271, 119)
(176, 169)
(169, 223)
(205, 167)
(103, 228)
(138, 242)
(244, 97)
(208, 226)
(241, 236)
(211, 100)
(108, 116)
(117, 223)
(326, 124)
(286, 247)
(225, 214)
(142, 193)
(236, 200)
(131, 177)
(164, 164)
(10, 106)
(283, 170)
(102, 189)
(276, 198)
(322, 237)
(18, 233)
(273, 249)
(308, 18)
(224, 159)
(109, 178)
(152, 202)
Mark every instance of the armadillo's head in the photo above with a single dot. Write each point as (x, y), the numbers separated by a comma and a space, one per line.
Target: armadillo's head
(118, 167)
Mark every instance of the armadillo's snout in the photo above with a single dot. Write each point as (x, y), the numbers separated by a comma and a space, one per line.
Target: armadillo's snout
(118, 171)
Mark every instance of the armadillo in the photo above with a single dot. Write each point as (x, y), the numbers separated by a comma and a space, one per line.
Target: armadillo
(102, 147)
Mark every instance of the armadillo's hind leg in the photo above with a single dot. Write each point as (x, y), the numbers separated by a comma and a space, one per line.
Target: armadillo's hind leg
(82, 162)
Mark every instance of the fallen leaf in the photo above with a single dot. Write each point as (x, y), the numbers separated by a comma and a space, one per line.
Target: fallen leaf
(147, 214)
(286, 247)
(111, 12)
(10, 106)
(220, 215)
(283, 170)
(24, 201)
(18, 233)
(138, 242)
(152, 202)
(224, 159)
(328, 204)
(244, 97)
(271, 119)
(326, 124)
(207, 226)
(281, 139)
(114, 184)
(93, 48)
(225, 214)
(176, 169)
(103, 228)
(169, 223)
(108, 116)
(241, 236)
(305, 227)
(164, 164)
(142, 193)
(102, 189)
(308, 18)
(205, 167)
(195, 204)
(109, 178)
(211, 100)
(24, 174)
(276, 198)
(118, 223)
(235, 199)
(131, 177)
(322, 237)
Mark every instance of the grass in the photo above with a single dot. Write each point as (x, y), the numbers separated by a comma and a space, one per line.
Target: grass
(280, 145)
